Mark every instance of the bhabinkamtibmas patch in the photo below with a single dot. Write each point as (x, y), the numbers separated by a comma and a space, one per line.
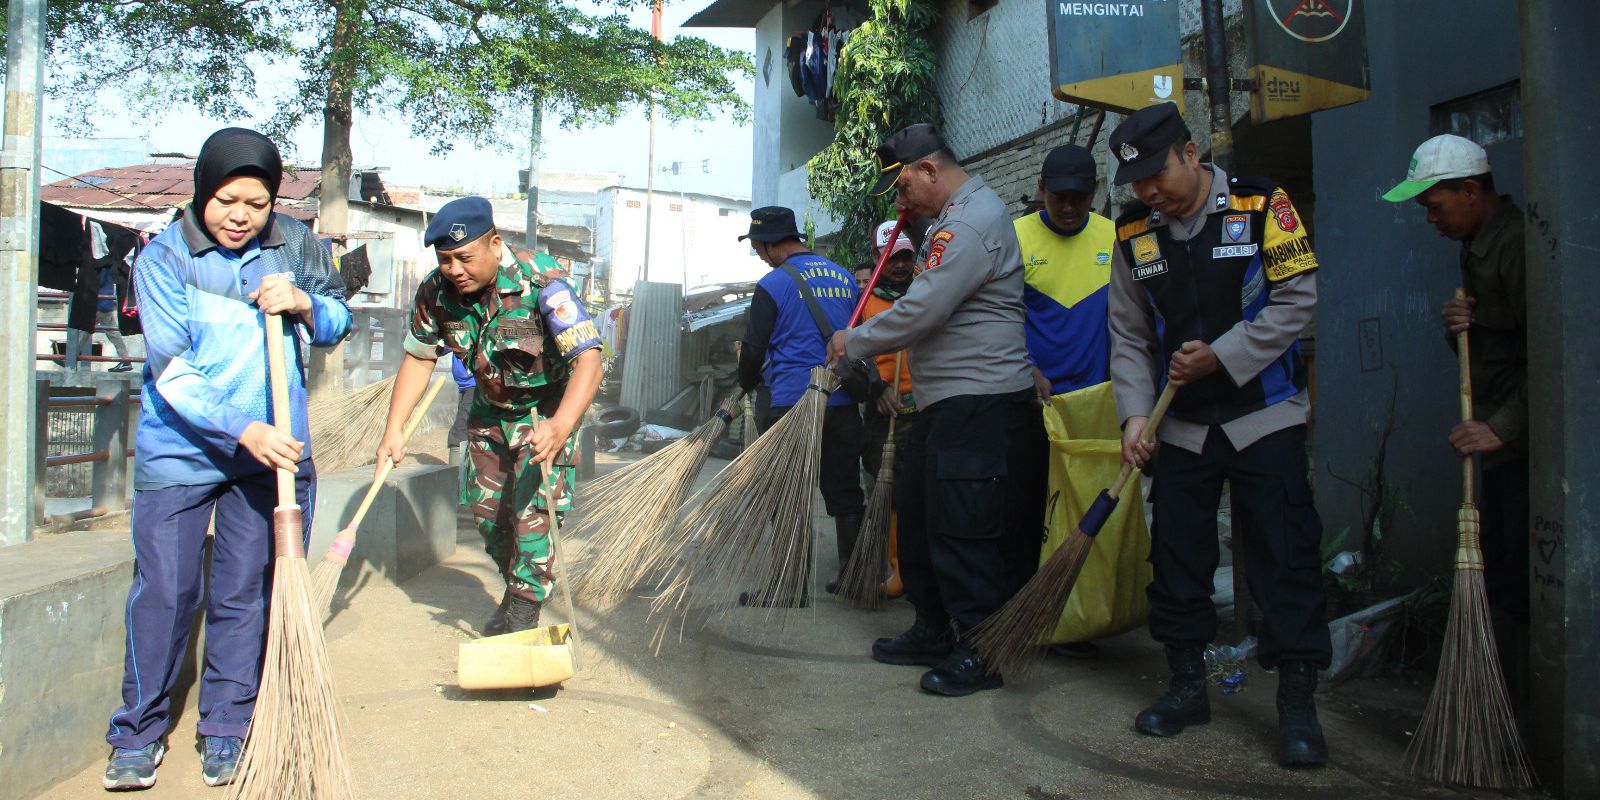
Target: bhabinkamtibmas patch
(1286, 256)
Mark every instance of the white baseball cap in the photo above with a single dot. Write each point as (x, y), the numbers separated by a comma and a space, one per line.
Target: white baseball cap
(901, 242)
(1440, 158)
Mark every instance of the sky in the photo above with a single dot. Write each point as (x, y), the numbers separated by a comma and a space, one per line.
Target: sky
(714, 155)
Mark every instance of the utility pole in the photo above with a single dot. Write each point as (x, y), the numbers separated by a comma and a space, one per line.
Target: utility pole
(19, 267)
(533, 175)
(1218, 83)
(650, 164)
(1558, 61)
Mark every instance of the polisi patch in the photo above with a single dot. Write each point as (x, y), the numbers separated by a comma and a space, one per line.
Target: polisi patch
(1146, 249)
(1233, 251)
(1236, 227)
(1150, 270)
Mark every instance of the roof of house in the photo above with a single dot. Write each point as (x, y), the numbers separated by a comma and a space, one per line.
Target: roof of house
(164, 186)
(730, 14)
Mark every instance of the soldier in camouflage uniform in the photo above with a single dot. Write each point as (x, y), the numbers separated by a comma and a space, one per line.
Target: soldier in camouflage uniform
(535, 354)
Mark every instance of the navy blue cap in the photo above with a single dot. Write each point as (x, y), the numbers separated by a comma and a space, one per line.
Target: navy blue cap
(1141, 142)
(459, 222)
(1068, 168)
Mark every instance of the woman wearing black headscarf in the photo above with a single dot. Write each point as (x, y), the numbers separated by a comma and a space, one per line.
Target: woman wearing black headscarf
(207, 449)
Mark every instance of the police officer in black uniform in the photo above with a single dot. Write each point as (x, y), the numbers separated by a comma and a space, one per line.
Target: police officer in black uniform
(1224, 265)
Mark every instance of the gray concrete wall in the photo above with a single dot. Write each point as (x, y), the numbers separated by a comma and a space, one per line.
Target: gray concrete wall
(61, 633)
(61, 613)
(1386, 272)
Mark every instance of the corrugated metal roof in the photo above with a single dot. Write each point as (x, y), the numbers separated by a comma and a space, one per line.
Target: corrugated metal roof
(730, 14)
(162, 186)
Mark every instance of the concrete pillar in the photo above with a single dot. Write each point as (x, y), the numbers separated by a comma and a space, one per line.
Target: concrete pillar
(19, 264)
(1561, 123)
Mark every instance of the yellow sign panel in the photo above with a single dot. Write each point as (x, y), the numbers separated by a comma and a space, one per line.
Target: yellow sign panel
(1127, 92)
(1281, 93)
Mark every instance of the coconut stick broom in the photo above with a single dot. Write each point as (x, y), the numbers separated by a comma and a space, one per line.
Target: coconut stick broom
(325, 578)
(343, 426)
(861, 585)
(630, 511)
(1009, 638)
(294, 749)
(1468, 733)
(751, 527)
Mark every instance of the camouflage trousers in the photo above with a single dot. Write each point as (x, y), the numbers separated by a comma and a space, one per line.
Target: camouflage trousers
(504, 489)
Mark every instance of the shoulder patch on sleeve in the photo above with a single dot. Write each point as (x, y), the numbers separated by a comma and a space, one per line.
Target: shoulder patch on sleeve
(937, 246)
(1283, 211)
(1132, 229)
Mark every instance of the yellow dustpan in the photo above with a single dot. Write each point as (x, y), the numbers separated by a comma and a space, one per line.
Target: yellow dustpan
(521, 660)
(543, 656)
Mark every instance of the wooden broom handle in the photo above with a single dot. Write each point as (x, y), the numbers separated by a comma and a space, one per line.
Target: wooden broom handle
(1464, 357)
(388, 463)
(278, 377)
(1148, 434)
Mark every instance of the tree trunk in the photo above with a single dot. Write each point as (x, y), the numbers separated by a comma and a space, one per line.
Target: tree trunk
(337, 117)
(327, 365)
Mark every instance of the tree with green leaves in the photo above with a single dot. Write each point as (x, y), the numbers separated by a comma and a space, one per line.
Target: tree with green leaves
(885, 83)
(459, 71)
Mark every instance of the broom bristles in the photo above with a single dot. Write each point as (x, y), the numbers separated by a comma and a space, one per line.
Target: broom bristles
(629, 512)
(1468, 733)
(1012, 638)
(325, 576)
(751, 527)
(347, 428)
(294, 749)
(861, 585)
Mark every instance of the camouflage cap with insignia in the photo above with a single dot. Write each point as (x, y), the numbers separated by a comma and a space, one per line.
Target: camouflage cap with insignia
(459, 222)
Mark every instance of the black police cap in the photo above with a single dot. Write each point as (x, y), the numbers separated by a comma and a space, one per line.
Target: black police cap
(1141, 142)
(1068, 168)
(905, 147)
(459, 222)
(771, 224)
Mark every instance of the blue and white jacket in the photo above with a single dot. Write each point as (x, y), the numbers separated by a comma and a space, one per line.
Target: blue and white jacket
(205, 373)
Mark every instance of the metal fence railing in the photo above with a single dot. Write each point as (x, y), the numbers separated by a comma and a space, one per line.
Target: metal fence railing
(83, 447)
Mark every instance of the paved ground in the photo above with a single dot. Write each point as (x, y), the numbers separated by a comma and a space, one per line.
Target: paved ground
(730, 713)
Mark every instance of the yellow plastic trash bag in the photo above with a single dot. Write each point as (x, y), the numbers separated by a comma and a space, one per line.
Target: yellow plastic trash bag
(1085, 457)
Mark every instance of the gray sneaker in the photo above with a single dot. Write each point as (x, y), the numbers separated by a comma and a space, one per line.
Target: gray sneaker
(219, 761)
(131, 769)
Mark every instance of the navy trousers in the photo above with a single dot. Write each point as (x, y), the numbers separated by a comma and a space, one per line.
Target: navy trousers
(169, 539)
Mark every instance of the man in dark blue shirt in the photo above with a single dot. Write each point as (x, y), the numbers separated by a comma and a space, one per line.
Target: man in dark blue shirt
(783, 341)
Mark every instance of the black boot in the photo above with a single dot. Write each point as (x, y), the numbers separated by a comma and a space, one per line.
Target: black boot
(522, 614)
(497, 621)
(1185, 702)
(847, 528)
(926, 643)
(1300, 742)
(963, 673)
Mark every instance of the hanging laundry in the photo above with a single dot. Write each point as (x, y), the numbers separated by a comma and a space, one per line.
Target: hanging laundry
(63, 246)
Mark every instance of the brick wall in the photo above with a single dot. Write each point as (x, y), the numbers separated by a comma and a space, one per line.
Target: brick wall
(1011, 169)
(994, 74)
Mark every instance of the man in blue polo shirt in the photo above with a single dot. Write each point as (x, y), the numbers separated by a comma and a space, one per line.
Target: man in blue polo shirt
(783, 341)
